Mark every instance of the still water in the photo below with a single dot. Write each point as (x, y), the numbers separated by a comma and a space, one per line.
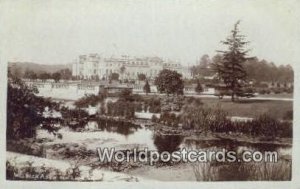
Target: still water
(130, 135)
(121, 135)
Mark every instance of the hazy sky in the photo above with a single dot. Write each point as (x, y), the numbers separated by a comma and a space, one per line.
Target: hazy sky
(56, 32)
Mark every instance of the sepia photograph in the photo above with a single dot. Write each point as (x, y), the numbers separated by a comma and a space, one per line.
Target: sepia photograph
(148, 91)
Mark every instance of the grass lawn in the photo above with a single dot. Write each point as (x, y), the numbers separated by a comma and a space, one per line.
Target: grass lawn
(281, 95)
(251, 108)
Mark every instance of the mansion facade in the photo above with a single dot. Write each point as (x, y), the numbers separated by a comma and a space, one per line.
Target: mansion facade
(94, 66)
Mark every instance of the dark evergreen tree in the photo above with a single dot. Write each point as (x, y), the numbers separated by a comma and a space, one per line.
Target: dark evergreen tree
(147, 87)
(199, 87)
(230, 69)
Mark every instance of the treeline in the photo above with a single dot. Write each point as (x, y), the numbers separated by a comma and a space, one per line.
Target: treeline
(262, 70)
(257, 70)
(64, 74)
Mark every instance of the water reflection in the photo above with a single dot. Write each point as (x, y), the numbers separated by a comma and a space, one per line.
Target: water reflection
(140, 134)
(120, 127)
(232, 145)
(169, 143)
(124, 136)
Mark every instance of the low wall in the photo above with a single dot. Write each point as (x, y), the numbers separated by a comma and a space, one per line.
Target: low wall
(70, 91)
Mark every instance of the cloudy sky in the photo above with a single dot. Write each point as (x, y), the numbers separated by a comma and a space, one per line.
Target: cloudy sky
(55, 32)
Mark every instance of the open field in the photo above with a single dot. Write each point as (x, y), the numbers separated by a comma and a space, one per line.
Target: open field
(281, 95)
(251, 107)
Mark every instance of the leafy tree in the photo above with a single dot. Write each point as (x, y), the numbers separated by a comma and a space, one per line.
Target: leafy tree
(24, 109)
(147, 87)
(262, 70)
(194, 71)
(127, 95)
(92, 99)
(56, 76)
(141, 77)
(231, 69)
(87, 100)
(203, 67)
(199, 87)
(217, 59)
(66, 74)
(204, 61)
(278, 85)
(117, 108)
(44, 76)
(29, 74)
(169, 82)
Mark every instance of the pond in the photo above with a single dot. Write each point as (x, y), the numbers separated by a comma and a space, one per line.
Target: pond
(132, 135)
(127, 136)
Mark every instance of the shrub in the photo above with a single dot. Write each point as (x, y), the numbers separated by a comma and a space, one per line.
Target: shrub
(69, 114)
(154, 119)
(204, 171)
(277, 90)
(265, 125)
(166, 108)
(154, 105)
(30, 172)
(215, 120)
(280, 170)
(285, 129)
(138, 107)
(118, 108)
(87, 100)
(249, 90)
(262, 91)
(289, 90)
(169, 119)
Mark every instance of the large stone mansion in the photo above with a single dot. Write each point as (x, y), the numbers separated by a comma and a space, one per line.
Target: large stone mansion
(93, 65)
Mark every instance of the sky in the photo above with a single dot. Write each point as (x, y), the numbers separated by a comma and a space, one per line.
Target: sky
(58, 31)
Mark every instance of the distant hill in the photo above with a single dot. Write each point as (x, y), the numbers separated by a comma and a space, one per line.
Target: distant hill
(21, 67)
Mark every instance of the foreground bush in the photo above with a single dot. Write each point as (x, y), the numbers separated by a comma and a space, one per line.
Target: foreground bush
(43, 173)
(90, 100)
(24, 109)
(263, 125)
(252, 171)
(197, 116)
